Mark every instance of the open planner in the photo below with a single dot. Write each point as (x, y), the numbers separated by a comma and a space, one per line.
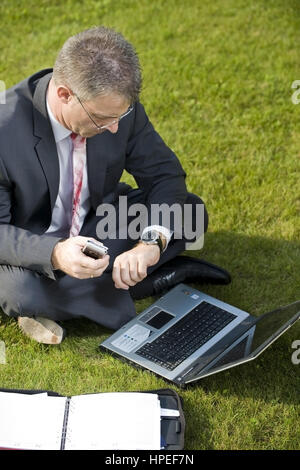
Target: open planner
(120, 421)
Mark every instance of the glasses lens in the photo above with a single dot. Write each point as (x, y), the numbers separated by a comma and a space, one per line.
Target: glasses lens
(119, 119)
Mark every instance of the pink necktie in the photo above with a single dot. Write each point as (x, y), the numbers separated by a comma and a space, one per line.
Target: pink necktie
(79, 161)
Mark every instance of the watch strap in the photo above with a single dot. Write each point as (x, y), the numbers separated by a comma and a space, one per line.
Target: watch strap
(158, 242)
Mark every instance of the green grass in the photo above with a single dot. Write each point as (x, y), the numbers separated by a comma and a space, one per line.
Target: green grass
(217, 86)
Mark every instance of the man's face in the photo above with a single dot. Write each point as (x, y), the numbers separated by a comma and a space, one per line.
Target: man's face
(78, 115)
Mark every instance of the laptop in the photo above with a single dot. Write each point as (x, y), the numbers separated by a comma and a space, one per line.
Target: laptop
(187, 335)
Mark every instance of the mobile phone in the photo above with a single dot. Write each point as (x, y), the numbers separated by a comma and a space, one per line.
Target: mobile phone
(94, 250)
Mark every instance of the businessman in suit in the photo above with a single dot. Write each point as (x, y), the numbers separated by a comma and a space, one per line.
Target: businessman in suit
(66, 135)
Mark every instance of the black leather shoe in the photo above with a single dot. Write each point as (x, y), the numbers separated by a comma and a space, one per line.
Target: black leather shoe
(179, 269)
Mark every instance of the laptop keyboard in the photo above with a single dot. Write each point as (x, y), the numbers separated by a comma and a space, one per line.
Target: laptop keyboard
(187, 335)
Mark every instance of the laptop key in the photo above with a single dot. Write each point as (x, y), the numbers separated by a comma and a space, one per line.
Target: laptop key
(186, 336)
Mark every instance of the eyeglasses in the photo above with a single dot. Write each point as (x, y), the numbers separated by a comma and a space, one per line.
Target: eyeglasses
(106, 125)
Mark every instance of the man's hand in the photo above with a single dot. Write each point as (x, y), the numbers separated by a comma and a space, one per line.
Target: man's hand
(68, 257)
(131, 267)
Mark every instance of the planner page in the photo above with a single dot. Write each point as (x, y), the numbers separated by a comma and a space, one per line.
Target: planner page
(114, 421)
(31, 421)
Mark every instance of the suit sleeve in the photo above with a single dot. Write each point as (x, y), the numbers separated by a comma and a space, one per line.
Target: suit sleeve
(19, 247)
(155, 168)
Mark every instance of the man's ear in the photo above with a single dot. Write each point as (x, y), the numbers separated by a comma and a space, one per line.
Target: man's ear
(64, 94)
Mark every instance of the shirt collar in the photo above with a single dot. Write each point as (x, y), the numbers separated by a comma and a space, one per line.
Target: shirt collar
(60, 132)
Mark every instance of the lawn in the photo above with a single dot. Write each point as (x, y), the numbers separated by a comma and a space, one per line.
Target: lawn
(218, 88)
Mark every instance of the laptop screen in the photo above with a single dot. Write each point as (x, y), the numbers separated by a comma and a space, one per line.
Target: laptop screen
(262, 333)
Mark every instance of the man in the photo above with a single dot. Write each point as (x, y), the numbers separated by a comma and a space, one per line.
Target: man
(66, 135)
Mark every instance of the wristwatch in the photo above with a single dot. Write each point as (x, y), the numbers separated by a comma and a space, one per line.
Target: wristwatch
(152, 237)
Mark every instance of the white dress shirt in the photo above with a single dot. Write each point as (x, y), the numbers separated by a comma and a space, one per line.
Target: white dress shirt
(62, 211)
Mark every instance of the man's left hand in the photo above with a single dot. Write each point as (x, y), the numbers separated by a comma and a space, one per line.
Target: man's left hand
(131, 266)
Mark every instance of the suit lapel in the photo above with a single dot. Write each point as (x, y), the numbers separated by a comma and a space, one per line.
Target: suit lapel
(46, 146)
(97, 158)
(97, 149)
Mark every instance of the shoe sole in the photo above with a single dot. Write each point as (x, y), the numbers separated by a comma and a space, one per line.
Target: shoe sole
(42, 330)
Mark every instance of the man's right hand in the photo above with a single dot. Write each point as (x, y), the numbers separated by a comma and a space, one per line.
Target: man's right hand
(68, 257)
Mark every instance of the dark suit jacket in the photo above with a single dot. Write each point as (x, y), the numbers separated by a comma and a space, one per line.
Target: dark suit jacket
(29, 171)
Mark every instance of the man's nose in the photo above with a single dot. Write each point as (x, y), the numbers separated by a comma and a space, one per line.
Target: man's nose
(113, 128)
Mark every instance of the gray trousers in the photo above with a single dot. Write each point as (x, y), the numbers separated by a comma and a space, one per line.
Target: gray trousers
(24, 292)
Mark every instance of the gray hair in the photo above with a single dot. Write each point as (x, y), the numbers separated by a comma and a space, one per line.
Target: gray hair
(96, 62)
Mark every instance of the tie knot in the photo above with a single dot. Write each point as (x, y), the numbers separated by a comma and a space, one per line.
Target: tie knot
(77, 139)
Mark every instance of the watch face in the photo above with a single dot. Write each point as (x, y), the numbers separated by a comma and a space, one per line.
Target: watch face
(150, 236)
